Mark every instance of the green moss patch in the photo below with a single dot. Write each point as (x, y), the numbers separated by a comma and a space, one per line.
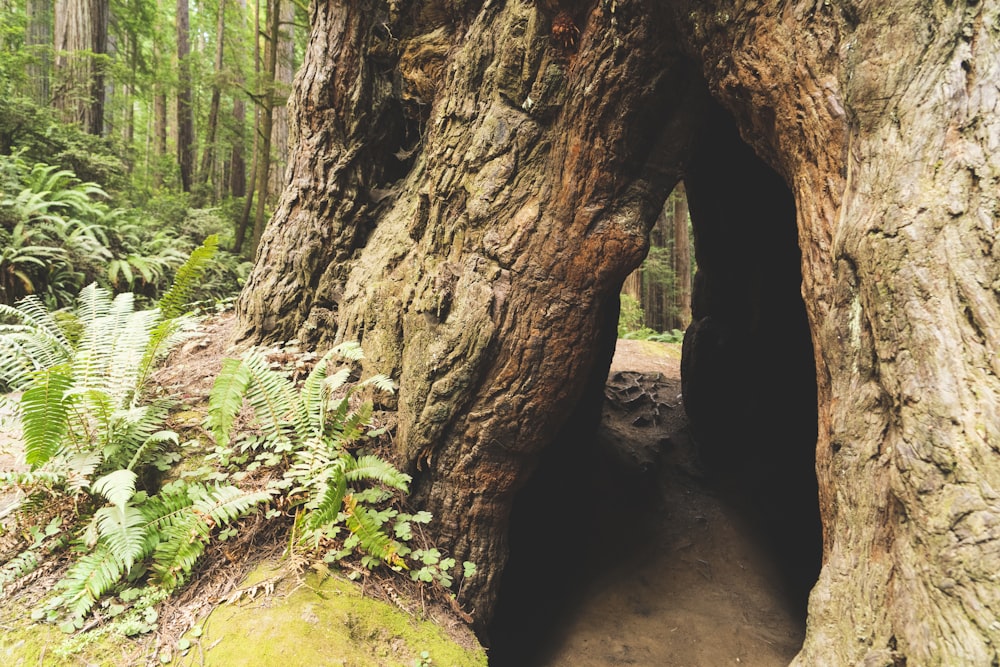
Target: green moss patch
(321, 621)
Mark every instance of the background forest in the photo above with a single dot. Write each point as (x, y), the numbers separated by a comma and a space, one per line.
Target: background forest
(130, 130)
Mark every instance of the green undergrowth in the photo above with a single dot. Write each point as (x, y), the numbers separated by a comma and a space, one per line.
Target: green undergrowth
(24, 643)
(127, 497)
(320, 619)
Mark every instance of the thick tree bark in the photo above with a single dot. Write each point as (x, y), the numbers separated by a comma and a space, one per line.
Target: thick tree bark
(466, 197)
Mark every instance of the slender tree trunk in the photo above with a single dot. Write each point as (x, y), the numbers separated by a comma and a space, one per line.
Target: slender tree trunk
(238, 168)
(682, 258)
(480, 266)
(185, 112)
(262, 163)
(208, 157)
(243, 225)
(285, 71)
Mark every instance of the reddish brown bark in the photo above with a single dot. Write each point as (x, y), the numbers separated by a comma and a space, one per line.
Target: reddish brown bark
(466, 197)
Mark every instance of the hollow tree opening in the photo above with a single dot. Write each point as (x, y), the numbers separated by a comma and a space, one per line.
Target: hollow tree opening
(748, 372)
(749, 389)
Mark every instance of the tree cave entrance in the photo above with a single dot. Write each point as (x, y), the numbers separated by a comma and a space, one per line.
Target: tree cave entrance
(640, 532)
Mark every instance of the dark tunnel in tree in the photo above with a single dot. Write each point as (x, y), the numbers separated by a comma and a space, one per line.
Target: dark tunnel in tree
(749, 390)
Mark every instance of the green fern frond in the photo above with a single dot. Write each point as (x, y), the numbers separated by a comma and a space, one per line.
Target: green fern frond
(226, 398)
(349, 350)
(30, 339)
(20, 565)
(164, 337)
(371, 468)
(353, 426)
(128, 434)
(151, 445)
(167, 508)
(90, 577)
(325, 508)
(94, 302)
(186, 279)
(225, 504)
(271, 395)
(381, 382)
(179, 549)
(117, 487)
(123, 529)
(310, 416)
(44, 414)
(30, 478)
(362, 522)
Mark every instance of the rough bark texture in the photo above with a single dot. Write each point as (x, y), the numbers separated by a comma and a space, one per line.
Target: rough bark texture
(466, 197)
(81, 32)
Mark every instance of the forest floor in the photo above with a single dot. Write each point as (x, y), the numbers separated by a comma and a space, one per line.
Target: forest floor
(687, 585)
(695, 586)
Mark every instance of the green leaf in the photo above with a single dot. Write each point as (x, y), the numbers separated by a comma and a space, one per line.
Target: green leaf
(44, 414)
(226, 398)
(118, 486)
(186, 279)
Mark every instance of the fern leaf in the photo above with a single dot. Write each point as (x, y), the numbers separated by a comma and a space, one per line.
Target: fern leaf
(349, 350)
(381, 382)
(44, 414)
(271, 395)
(226, 398)
(118, 486)
(328, 503)
(310, 414)
(175, 300)
(371, 468)
(123, 529)
(179, 549)
(373, 538)
(225, 504)
(352, 427)
(90, 577)
(150, 445)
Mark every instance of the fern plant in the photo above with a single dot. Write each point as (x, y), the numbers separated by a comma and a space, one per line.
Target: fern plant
(341, 492)
(86, 429)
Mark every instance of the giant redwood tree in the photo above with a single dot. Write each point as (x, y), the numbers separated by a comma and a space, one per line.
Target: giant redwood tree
(472, 180)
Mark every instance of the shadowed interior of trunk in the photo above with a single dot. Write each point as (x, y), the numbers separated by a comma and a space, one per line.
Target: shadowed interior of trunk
(749, 393)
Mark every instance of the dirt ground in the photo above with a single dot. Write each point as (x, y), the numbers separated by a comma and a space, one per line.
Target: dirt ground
(694, 588)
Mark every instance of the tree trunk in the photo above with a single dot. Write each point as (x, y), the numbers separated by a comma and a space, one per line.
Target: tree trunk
(285, 71)
(81, 37)
(38, 37)
(467, 195)
(237, 159)
(262, 162)
(185, 112)
(208, 157)
(682, 259)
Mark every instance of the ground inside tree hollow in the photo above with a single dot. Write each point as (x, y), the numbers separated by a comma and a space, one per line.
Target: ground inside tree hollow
(668, 567)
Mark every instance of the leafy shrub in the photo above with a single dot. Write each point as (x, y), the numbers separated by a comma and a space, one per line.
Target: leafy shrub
(630, 315)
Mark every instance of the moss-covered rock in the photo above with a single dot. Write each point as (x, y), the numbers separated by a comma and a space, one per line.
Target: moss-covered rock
(322, 620)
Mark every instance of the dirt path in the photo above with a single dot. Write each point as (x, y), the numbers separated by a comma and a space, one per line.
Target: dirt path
(672, 576)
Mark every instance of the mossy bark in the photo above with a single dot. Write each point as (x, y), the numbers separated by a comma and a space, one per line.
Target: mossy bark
(466, 197)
